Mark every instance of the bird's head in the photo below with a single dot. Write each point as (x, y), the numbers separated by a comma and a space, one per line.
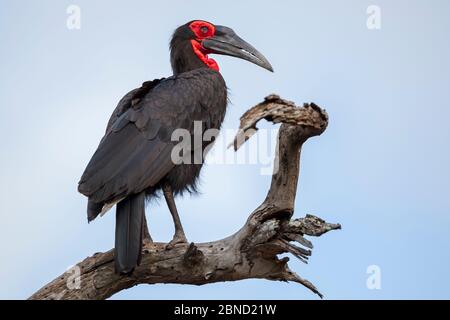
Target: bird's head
(193, 42)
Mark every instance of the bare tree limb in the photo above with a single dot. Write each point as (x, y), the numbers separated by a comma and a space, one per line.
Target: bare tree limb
(252, 252)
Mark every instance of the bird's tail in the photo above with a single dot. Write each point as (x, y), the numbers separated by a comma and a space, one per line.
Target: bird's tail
(129, 229)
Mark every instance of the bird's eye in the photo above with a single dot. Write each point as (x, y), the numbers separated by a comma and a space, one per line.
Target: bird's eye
(204, 29)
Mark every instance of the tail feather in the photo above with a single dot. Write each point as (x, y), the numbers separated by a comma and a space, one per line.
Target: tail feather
(129, 229)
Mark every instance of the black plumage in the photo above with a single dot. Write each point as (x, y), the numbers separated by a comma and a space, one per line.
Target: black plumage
(135, 153)
(133, 159)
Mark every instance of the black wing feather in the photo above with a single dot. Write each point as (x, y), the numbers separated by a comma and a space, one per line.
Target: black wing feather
(135, 152)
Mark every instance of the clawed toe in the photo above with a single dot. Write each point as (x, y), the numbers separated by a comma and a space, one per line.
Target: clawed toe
(177, 239)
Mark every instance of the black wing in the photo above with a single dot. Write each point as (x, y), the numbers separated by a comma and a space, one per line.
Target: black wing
(135, 152)
(131, 99)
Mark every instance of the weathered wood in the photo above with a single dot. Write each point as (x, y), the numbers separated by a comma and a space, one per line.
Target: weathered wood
(252, 252)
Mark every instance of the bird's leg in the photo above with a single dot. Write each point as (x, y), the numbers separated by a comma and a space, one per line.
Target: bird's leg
(145, 233)
(179, 236)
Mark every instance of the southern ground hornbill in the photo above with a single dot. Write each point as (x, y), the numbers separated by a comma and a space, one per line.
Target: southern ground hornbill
(133, 161)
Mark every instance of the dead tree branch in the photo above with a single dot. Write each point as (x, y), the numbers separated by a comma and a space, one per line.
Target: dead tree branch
(252, 252)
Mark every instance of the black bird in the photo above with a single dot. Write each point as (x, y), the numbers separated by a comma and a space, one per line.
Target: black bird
(133, 160)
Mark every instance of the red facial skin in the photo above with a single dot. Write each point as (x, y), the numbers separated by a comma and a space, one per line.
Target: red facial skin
(203, 30)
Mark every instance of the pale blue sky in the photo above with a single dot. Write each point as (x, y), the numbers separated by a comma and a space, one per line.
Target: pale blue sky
(381, 169)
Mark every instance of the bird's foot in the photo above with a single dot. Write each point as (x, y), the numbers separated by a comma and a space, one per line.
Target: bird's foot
(178, 238)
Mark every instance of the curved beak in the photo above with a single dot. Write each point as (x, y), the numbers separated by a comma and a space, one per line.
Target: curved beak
(227, 42)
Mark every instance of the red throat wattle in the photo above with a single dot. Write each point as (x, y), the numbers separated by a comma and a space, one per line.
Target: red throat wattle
(203, 30)
(202, 54)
